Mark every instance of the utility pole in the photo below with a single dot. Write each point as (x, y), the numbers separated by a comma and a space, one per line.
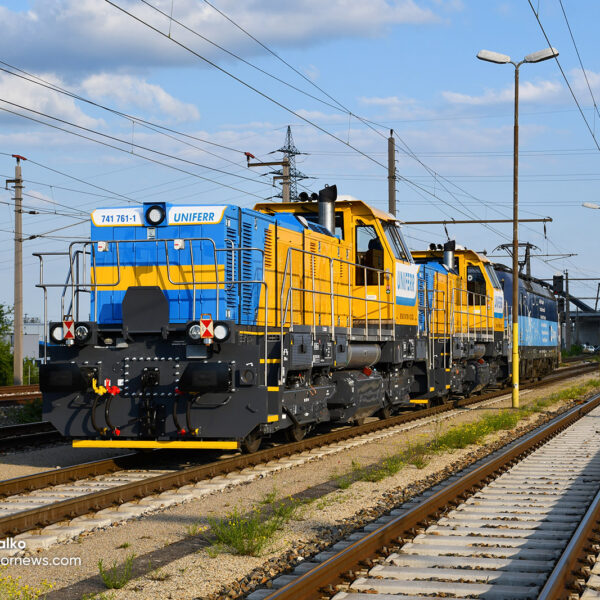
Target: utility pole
(18, 290)
(567, 314)
(285, 180)
(392, 174)
(285, 177)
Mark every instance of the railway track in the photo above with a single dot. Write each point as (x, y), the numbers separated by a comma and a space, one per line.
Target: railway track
(43, 499)
(18, 394)
(512, 526)
(14, 437)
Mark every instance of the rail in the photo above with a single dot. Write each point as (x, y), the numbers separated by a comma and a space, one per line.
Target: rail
(66, 509)
(343, 564)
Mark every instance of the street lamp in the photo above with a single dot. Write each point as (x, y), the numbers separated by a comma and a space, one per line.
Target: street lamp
(502, 59)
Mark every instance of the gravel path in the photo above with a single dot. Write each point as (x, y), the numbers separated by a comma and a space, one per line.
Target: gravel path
(179, 567)
(30, 461)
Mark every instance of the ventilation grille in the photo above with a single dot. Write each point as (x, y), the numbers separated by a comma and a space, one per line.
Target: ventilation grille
(230, 270)
(268, 249)
(246, 257)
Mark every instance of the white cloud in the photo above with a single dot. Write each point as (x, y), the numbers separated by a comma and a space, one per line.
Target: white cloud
(126, 91)
(312, 72)
(38, 98)
(93, 35)
(528, 92)
(398, 108)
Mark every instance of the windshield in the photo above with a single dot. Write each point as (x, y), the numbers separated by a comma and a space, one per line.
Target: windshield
(492, 275)
(396, 241)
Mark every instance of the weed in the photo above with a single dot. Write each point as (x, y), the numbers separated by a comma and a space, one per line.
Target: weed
(115, 578)
(270, 497)
(196, 528)
(250, 534)
(344, 481)
(416, 455)
(94, 596)
(123, 546)
(11, 588)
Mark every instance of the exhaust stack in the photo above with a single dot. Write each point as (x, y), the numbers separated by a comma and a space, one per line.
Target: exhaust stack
(327, 197)
(449, 248)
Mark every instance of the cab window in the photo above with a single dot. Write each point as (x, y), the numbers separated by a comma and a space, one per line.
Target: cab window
(369, 253)
(492, 275)
(475, 285)
(395, 241)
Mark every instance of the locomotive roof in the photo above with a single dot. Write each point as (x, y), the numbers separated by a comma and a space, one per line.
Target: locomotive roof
(356, 206)
(470, 254)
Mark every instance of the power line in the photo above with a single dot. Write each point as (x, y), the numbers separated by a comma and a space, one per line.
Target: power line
(578, 55)
(244, 83)
(52, 86)
(123, 150)
(130, 143)
(307, 79)
(565, 77)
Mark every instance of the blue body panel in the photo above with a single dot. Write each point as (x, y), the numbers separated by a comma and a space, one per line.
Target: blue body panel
(238, 227)
(538, 314)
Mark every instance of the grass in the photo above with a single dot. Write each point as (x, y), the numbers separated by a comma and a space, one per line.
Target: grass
(456, 438)
(250, 534)
(123, 546)
(11, 588)
(94, 596)
(114, 578)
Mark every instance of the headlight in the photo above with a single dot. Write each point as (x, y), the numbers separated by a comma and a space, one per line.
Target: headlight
(221, 331)
(155, 214)
(82, 333)
(194, 332)
(57, 334)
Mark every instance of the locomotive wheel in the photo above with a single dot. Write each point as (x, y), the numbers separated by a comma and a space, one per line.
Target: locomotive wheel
(385, 412)
(252, 442)
(296, 433)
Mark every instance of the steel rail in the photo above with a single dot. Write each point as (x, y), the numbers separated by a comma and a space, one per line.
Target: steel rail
(19, 393)
(333, 571)
(27, 434)
(564, 573)
(30, 519)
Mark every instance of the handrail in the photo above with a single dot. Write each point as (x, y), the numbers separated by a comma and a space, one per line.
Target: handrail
(76, 285)
(286, 296)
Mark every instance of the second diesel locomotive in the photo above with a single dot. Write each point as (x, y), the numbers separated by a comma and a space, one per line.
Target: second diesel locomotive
(215, 326)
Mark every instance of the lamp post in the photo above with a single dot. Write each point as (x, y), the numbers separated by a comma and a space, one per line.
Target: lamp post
(503, 59)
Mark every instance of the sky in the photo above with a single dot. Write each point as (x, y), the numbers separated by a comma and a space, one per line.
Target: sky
(191, 86)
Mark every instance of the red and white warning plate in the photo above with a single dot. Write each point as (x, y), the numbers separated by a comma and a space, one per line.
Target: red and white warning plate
(68, 329)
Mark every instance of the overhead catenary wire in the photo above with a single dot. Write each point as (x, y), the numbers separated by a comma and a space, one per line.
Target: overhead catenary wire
(126, 151)
(246, 84)
(579, 56)
(130, 143)
(537, 17)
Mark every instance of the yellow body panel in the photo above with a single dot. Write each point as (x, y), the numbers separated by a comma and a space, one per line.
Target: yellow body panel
(205, 276)
(151, 444)
(312, 278)
(456, 310)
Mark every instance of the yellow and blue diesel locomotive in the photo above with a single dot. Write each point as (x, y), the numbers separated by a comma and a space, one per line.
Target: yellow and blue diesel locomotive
(216, 326)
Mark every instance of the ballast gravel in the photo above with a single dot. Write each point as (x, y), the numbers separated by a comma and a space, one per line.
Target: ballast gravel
(171, 564)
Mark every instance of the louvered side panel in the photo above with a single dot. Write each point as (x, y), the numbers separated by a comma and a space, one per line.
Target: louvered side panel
(231, 260)
(246, 271)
